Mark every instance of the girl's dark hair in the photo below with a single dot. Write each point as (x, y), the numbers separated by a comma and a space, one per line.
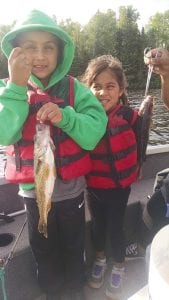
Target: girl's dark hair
(16, 42)
(101, 63)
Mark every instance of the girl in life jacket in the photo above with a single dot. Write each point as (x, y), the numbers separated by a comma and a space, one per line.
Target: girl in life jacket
(114, 168)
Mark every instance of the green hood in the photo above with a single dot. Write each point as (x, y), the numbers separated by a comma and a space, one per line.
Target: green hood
(37, 20)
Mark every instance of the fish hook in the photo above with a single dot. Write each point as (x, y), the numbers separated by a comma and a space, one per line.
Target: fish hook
(150, 70)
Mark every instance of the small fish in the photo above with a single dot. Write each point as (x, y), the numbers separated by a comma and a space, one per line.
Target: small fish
(44, 172)
(146, 112)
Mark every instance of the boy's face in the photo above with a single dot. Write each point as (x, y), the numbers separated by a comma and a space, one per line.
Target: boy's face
(41, 48)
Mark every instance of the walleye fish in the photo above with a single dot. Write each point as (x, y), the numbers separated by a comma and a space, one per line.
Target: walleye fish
(146, 112)
(44, 172)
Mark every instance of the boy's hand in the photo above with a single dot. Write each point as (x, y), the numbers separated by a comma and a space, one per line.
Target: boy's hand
(49, 112)
(19, 67)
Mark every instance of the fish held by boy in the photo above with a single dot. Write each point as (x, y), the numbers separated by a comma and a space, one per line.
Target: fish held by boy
(45, 173)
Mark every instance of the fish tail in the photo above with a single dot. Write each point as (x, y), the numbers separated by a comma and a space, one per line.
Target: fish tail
(42, 227)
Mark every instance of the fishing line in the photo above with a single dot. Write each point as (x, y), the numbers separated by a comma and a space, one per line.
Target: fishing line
(150, 70)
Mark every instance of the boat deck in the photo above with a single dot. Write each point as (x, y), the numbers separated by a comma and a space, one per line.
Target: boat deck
(20, 270)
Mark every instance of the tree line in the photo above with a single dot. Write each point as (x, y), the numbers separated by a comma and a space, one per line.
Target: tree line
(107, 34)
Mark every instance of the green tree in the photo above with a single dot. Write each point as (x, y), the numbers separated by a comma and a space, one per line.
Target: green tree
(157, 30)
(3, 60)
(74, 29)
(129, 45)
(100, 32)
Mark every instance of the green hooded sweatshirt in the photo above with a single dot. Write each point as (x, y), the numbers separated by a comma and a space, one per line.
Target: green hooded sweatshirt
(85, 122)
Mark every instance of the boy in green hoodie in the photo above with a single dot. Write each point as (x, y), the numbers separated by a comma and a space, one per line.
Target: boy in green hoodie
(38, 90)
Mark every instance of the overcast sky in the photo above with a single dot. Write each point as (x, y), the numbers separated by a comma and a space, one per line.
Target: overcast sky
(78, 10)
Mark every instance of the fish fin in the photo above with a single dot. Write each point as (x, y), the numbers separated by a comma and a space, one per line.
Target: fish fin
(42, 227)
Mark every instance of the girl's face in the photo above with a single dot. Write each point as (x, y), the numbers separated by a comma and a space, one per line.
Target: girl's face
(106, 89)
(41, 48)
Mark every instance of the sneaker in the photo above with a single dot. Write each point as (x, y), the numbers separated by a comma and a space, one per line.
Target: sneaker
(98, 272)
(114, 288)
(134, 251)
